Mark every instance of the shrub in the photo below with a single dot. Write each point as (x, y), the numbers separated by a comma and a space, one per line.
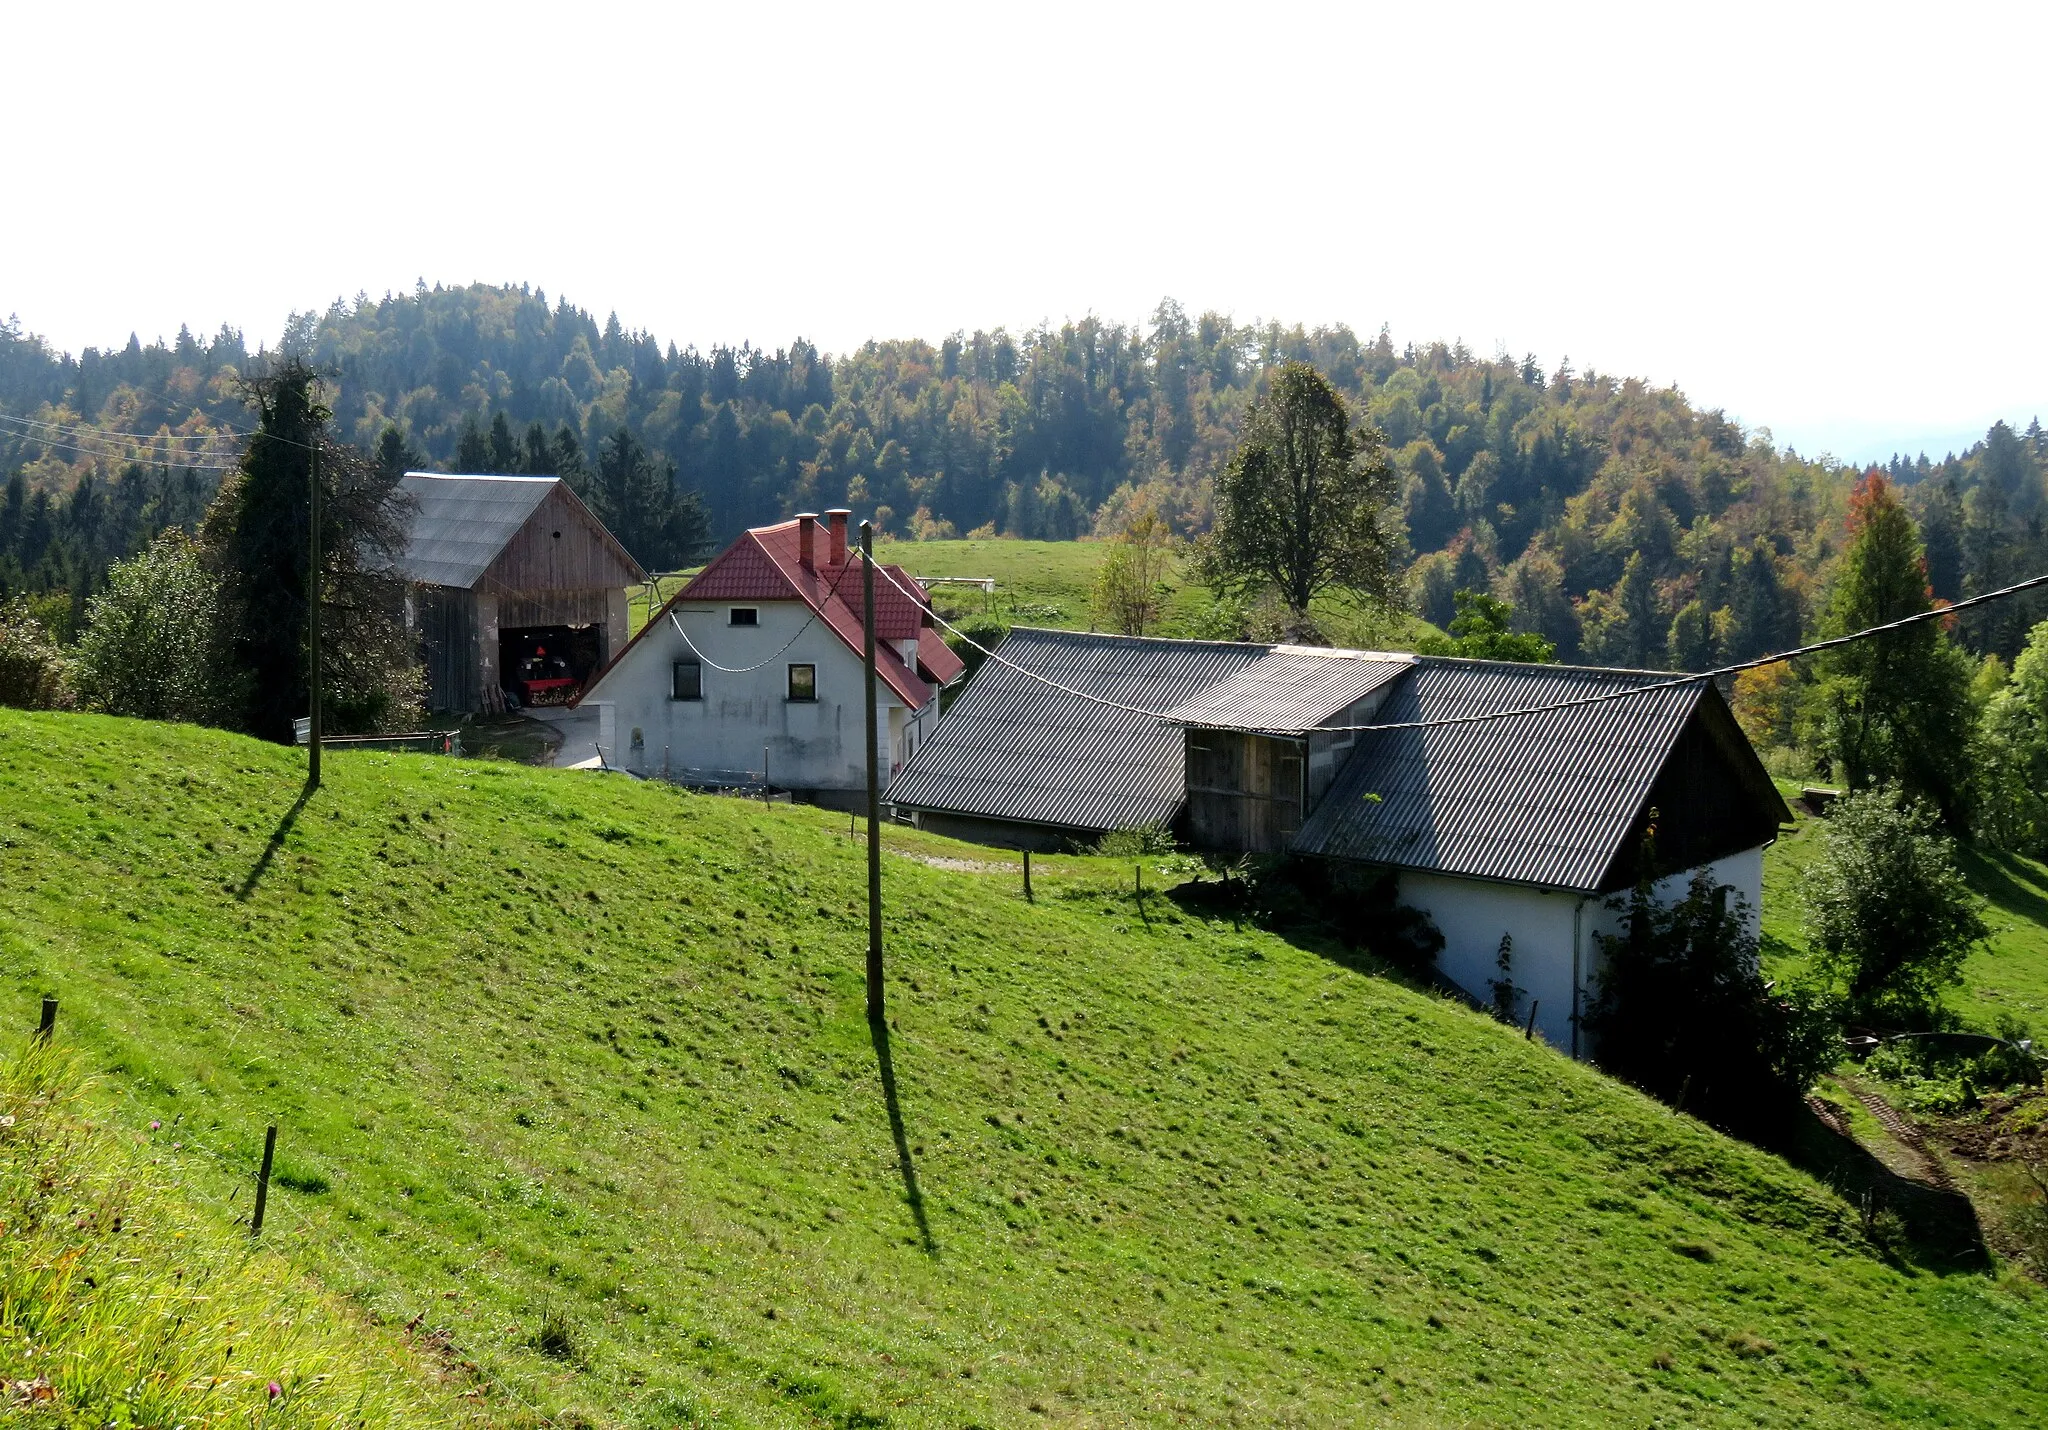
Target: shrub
(1133, 843)
(1682, 1009)
(151, 646)
(34, 674)
(1889, 911)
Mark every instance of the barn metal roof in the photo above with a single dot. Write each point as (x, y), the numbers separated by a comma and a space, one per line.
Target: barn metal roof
(1013, 748)
(462, 523)
(1536, 799)
(1290, 690)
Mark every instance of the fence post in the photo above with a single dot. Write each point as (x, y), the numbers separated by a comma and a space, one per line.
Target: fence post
(263, 1180)
(1530, 1031)
(48, 1026)
(1027, 878)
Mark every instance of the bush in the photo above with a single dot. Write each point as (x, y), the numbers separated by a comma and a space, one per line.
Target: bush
(1682, 1009)
(1133, 843)
(34, 675)
(1889, 912)
(151, 646)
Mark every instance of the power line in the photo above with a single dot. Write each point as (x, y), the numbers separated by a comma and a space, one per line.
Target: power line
(749, 669)
(89, 430)
(1442, 722)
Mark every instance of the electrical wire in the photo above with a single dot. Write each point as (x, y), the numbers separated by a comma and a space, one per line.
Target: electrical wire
(136, 455)
(88, 430)
(1446, 721)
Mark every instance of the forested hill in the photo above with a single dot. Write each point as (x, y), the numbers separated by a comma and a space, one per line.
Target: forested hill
(1620, 520)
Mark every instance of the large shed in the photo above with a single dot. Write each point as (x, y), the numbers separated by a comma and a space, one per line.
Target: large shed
(517, 588)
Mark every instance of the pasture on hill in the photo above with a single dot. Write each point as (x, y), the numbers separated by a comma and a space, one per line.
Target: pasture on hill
(575, 1083)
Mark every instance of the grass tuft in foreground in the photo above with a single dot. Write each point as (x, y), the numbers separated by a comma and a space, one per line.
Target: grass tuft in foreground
(123, 1304)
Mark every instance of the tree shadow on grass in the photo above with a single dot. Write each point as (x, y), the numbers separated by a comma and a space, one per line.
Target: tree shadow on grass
(277, 838)
(879, 1031)
(2006, 881)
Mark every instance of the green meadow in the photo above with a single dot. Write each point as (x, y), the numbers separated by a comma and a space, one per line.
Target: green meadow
(576, 1094)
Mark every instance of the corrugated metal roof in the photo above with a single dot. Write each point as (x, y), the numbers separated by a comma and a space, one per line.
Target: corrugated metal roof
(462, 523)
(1536, 799)
(1290, 689)
(1012, 748)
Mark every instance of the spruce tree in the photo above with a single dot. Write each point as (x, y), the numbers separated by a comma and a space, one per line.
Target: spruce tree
(1894, 707)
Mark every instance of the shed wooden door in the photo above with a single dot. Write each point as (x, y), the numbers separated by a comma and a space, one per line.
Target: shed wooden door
(1244, 791)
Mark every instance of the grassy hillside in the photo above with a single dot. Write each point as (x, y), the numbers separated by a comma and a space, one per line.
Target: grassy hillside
(124, 1303)
(572, 1072)
(1047, 583)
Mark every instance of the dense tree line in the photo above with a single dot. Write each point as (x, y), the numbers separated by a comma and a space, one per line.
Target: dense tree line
(1618, 521)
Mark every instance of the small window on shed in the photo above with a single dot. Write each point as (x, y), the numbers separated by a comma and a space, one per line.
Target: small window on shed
(803, 682)
(744, 616)
(688, 681)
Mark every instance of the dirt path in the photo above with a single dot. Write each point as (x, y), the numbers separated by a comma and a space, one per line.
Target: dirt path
(1908, 1136)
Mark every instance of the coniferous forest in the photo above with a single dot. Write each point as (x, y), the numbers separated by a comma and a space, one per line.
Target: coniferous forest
(1617, 519)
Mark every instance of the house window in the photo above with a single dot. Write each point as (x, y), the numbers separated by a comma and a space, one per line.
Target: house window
(687, 682)
(803, 682)
(744, 616)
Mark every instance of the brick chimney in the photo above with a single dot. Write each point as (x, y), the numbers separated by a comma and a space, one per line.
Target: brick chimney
(835, 522)
(806, 539)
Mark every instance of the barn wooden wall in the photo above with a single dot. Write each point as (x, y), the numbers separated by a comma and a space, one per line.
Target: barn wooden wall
(1244, 791)
(560, 549)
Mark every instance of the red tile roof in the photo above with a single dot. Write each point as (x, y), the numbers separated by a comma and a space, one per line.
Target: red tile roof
(765, 564)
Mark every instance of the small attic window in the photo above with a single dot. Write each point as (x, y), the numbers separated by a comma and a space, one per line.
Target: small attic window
(743, 616)
(558, 536)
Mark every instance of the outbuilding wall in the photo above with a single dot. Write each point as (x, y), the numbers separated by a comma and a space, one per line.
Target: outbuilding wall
(1556, 951)
(809, 745)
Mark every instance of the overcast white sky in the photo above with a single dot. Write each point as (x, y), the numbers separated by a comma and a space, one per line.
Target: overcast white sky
(1827, 219)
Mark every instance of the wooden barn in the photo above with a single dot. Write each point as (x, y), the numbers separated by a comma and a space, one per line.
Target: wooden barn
(519, 593)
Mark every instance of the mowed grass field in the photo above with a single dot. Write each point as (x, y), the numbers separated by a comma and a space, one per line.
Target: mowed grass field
(573, 1078)
(1048, 583)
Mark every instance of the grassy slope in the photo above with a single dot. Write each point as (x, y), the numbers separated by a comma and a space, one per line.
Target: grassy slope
(122, 1302)
(2009, 977)
(574, 1044)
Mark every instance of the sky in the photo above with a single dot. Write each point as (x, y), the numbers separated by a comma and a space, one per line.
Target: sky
(1825, 219)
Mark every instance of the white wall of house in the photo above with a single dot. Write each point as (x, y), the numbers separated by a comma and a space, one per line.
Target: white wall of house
(1556, 953)
(809, 745)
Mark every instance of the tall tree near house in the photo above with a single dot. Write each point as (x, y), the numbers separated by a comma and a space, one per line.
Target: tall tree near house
(256, 537)
(1300, 509)
(1895, 707)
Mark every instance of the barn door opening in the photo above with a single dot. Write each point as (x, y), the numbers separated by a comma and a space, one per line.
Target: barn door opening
(547, 665)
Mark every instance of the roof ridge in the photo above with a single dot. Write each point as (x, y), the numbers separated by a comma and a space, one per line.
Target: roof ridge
(481, 477)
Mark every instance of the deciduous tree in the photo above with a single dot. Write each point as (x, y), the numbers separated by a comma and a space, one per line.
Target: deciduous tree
(1301, 507)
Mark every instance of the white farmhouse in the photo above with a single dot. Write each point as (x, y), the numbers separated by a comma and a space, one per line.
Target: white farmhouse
(753, 673)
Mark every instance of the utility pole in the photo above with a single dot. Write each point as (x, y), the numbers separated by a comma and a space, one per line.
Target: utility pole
(313, 587)
(876, 1010)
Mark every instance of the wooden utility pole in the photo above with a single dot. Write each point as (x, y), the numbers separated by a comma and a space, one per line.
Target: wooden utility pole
(877, 1010)
(313, 589)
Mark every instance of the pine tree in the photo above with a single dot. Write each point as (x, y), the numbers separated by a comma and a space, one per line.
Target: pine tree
(1894, 707)
(472, 450)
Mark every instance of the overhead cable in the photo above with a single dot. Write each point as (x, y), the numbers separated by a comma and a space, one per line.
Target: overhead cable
(1624, 693)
